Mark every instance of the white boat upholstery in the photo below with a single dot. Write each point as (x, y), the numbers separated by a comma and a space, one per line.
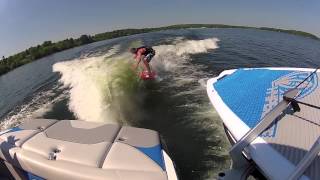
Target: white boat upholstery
(67, 149)
(127, 157)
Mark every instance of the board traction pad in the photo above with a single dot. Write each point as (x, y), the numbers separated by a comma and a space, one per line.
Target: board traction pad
(250, 94)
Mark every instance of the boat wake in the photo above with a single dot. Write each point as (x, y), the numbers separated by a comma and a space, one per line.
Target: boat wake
(99, 85)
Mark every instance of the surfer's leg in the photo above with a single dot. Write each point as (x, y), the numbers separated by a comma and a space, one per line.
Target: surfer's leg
(146, 65)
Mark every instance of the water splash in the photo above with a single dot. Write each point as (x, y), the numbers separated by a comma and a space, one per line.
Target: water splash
(173, 56)
(95, 83)
(189, 46)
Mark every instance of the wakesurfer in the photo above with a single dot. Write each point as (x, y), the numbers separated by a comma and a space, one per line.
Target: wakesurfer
(145, 54)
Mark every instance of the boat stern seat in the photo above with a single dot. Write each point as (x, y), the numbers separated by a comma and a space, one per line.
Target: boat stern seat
(84, 150)
(12, 139)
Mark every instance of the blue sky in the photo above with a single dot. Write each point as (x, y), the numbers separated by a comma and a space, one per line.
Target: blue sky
(30, 22)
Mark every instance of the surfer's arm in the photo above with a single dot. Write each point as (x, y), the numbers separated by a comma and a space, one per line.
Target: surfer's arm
(139, 57)
(138, 61)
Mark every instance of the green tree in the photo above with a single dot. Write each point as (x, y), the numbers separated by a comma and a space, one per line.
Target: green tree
(85, 39)
(46, 43)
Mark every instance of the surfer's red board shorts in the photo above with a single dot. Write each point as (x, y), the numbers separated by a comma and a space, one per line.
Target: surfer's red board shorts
(145, 75)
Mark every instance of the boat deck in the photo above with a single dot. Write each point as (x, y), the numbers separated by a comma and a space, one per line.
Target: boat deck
(247, 95)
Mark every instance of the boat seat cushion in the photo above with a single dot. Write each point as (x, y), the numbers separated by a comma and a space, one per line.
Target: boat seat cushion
(85, 154)
(84, 150)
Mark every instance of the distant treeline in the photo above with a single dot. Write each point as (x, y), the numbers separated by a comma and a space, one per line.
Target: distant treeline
(48, 47)
(299, 33)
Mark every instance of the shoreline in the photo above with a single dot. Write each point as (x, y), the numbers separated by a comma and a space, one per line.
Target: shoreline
(48, 47)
